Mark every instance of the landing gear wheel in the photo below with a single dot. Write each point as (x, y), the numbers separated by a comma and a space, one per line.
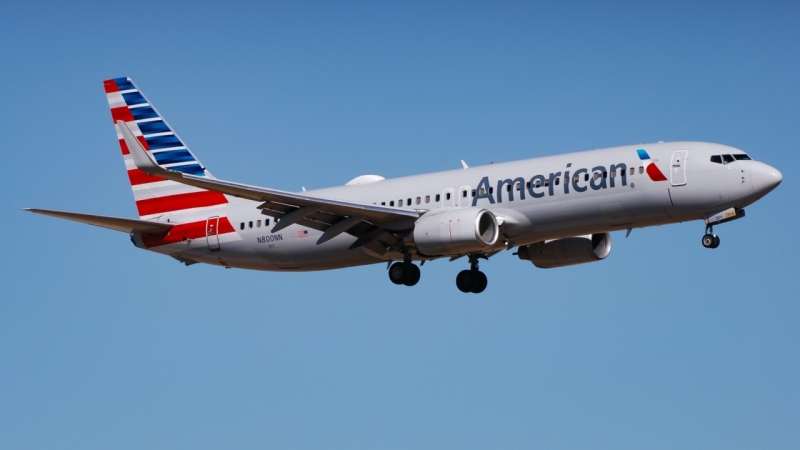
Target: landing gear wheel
(710, 241)
(464, 281)
(479, 282)
(404, 273)
(397, 273)
(473, 281)
(412, 275)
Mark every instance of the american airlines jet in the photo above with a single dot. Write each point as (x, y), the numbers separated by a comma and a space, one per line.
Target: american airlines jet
(556, 210)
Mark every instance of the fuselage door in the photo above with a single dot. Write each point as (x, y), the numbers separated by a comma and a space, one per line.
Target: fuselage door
(678, 168)
(212, 233)
(447, 198)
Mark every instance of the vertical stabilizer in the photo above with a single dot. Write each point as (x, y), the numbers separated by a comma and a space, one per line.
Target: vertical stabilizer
(156, 196)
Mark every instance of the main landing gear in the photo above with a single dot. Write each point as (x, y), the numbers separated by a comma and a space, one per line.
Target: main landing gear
(472, 280)
(710, 240)
(404, 273)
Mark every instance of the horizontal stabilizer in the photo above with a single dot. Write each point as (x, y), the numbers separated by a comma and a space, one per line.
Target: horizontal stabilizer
(113, 223)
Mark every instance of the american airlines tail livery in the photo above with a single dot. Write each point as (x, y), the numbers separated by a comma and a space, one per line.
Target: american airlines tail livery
(556, 210)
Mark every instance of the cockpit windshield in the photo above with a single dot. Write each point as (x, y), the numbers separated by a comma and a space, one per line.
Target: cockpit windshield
(727, 159)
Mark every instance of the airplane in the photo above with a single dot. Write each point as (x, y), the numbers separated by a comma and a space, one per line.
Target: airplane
(555, 210)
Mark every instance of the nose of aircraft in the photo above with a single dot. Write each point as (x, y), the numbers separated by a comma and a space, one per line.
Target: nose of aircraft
(765, 178)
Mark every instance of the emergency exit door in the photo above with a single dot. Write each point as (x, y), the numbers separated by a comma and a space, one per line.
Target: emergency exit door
(212, 233)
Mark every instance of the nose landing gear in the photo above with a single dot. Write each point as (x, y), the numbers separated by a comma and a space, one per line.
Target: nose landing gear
(710, 240)
(472, 280)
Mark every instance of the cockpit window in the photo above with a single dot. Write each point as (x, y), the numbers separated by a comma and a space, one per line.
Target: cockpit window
(727, 159)
(742, 157)
(716, 159)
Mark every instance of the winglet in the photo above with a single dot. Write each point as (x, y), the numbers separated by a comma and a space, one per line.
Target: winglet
(141, 158)
(464, 165)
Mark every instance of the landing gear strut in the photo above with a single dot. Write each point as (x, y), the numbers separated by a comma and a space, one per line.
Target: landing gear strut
(472, 280)
(404, 272)
(710, 240)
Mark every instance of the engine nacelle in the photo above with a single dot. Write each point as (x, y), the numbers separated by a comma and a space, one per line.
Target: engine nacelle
(568, 251)
(456, 231)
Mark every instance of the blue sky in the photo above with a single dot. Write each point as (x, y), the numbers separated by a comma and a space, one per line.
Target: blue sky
(663, 345)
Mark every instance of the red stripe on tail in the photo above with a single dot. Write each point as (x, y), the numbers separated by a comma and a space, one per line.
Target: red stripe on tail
(179, 201)
(138, 177)
(110, 86)
(122, 113)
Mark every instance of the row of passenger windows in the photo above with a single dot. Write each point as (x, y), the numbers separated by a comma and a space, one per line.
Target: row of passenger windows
(257, 224)
(518, 186)
(727, 159)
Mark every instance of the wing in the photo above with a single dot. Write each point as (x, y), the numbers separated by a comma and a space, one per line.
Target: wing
(113, 223)
(368, 223)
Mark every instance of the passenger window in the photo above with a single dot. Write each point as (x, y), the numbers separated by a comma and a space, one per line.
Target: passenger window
(508, 188)
(418, 200)
(483, 191)
(557, 180)
(641, 170)
(613, 174)
(586, 177)
(473, 192)
(605, 174)
(464, 193)
(727, 159)
(447, 196)
(595, 175)
(716, 159)
(427, 199)
(491, 190)
(241, 227)
(632, 170)
(383, 203)
(547, 183)
(391, 203)
(250, 224)
(408, 203)
(538, 183)
(258, 224)
(266, 222)
(528, 185)
(742, 157)
(576, 178)
(400, 202)
(438, 197)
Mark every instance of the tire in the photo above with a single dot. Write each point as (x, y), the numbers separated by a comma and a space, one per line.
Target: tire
(479, 282)
(464, 281)
(397, 273)
(412, 275)
(709, 240)
(716, 241)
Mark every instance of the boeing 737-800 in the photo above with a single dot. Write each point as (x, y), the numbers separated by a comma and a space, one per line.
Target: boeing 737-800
(555, 210)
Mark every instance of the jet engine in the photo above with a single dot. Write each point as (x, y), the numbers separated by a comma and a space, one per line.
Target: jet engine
(568, 251)
(456, 231)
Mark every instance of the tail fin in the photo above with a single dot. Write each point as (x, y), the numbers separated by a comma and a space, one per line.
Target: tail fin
(156, 196)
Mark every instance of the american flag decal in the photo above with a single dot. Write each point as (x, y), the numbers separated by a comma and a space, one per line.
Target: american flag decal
(302, 234)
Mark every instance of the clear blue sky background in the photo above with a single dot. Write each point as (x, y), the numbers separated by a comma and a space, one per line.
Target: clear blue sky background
(663, 345)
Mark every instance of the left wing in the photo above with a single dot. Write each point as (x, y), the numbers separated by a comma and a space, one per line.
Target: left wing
(369, 223)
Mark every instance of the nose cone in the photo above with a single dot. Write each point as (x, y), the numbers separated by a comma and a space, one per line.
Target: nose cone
(765, 178)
